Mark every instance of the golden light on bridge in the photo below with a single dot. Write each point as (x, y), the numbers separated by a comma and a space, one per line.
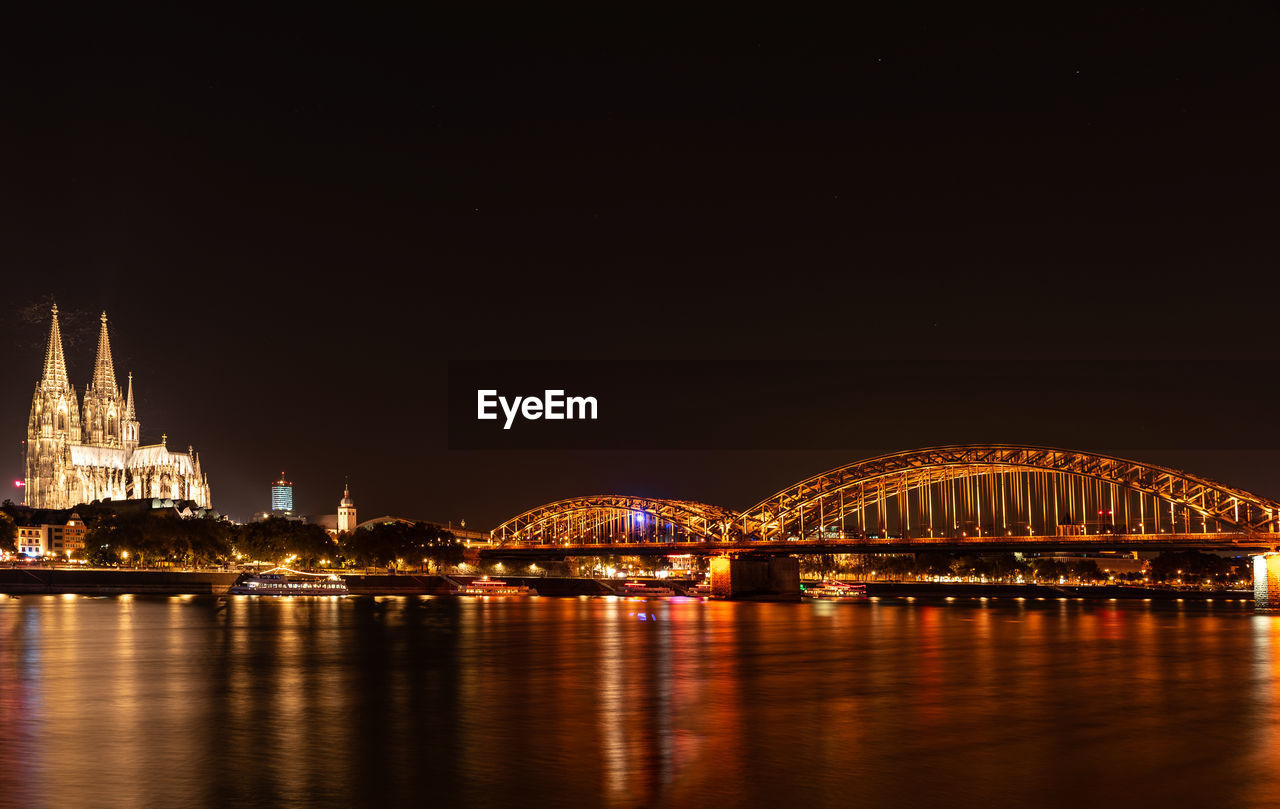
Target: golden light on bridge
(971, 494)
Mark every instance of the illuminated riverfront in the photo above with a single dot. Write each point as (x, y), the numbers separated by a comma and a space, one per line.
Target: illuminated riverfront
(974, 499)
(768, 413)
(970, 703)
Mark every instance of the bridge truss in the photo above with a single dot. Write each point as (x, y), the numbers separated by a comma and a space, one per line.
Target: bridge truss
(1003, 490)
(964, 493)
(614, 519)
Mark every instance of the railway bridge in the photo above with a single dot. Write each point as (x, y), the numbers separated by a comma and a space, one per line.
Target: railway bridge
(978, 498)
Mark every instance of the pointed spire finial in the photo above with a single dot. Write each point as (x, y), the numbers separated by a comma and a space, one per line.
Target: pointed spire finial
(55, 362)
(164, 439)
(129, 412)
(104, 370)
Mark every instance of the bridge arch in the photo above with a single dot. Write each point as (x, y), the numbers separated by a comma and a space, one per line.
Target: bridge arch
(985, 490)
(611, 519)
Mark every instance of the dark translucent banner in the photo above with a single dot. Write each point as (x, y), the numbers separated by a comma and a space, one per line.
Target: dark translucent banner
(808, 404)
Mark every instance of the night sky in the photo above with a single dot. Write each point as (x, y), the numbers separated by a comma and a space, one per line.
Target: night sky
(297, 224)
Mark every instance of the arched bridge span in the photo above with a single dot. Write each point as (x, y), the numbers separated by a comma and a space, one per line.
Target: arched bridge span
(608, 519)
(962, 494)
(1004, 490)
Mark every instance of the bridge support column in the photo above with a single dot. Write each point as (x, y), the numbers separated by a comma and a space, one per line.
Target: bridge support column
(1266, 582)
(775, 578)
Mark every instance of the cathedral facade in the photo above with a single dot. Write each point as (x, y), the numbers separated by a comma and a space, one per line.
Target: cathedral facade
(78, 453)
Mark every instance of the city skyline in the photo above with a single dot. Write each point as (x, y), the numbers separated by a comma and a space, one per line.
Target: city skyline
(296, 248)
(587, 402)
(795, 449)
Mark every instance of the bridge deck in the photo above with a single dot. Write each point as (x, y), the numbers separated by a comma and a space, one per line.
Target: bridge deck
(1243, 543)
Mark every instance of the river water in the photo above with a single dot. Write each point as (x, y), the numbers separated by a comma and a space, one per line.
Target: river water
(207, 702)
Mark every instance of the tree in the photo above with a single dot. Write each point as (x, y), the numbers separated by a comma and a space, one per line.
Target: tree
(395, 542)
(209, 540)
(933, 563)
(441, 546)
(150, 537)
(8, 533)
(277, 539)
(111, 534)
(1191, 566)
(1007, 566)
(1047, 569)
(822, 564)
(101, 555)
(1087, 570)
(375, 545)
(969, 565)
(899, 566)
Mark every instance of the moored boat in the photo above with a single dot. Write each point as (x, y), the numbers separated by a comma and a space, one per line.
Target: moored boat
(494, 587)
(281, 581)
(830, 588)
(646, 590)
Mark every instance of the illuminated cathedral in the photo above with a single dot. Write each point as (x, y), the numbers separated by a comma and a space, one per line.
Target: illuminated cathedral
(81, 453)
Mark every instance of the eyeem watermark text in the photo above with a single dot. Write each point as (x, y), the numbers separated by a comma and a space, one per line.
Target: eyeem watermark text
(553, 406)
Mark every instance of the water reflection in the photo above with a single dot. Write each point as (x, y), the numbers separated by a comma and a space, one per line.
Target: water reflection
(150, 701)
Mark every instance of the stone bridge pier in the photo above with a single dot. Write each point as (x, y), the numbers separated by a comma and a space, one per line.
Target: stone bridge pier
(755, 578)
(1266, 582)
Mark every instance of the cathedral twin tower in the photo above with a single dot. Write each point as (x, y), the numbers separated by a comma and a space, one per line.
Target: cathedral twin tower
(80, 454)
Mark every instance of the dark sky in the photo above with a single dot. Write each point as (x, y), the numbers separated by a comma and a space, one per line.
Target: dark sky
(296, 224)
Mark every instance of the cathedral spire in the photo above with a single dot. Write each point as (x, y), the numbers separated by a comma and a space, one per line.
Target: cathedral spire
(55, 363)
(129, 412)
(104, 370)
(129, 427)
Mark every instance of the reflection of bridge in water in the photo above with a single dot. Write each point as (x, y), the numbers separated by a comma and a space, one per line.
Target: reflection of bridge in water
(988, 498)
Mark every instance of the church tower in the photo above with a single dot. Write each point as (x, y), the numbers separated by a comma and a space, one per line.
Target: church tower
(53, 427)
(103, 405)
(88, 451)
(346, 511)
(129, 427)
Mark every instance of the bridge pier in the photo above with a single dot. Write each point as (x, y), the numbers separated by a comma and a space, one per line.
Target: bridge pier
(1266, 582)
(775, 578)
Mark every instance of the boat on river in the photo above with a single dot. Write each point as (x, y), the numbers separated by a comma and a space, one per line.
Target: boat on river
(646, 590)
(281, 581)
(830, 588)
(494, 587)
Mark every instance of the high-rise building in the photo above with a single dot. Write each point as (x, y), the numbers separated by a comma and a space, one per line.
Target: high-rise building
(282, 497)
(81, 453)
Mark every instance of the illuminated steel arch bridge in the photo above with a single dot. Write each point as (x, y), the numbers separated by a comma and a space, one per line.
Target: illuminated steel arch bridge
(989, 495)
(972, 490)
(612, 519)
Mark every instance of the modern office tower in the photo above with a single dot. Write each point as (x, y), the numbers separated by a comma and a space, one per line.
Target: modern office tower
(282, 497)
